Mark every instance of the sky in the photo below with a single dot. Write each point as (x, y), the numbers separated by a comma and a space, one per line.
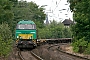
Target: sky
(57, 10)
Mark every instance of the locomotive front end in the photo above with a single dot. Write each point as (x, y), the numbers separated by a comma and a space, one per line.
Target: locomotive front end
(26, 34)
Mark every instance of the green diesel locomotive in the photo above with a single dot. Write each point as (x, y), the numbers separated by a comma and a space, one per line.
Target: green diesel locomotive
(26, 34)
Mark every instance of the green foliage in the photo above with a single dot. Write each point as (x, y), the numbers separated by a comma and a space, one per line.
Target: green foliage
(5, 47)
(87, 51)
(5, 11)
(81, 10)
(5, 40)
(54, 30)
(29, 11)
(6, 14)
(79, 45)
(5, 32)
(67, 33)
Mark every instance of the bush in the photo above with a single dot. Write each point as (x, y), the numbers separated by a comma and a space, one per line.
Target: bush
(87, 51)
(79, 45)
(54, 30)
(5, 40)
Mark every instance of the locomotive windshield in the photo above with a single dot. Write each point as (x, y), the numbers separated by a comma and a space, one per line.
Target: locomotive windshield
(26, 26)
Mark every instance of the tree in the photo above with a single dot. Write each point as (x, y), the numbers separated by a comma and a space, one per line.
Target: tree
(81, 29)
(6, 14)
(54, 30)
(81, 11)
(29, 11)
(5, 40)
(5, 11)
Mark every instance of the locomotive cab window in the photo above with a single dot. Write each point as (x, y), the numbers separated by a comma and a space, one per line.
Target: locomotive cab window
(26, 26)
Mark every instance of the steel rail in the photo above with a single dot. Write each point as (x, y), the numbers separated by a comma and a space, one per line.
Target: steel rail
(36, 56)
(68, 53)
(20, 55)
(73, 54)
(32, 53)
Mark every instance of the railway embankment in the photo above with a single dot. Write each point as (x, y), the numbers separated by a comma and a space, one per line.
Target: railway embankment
(69, 49)
(49, 54)
(52, 54)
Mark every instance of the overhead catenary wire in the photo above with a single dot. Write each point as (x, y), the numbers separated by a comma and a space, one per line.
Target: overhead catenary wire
(57, 4)
(56, 10)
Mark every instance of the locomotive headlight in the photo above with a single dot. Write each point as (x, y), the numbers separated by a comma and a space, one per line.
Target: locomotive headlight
(38, 40)
(17, 36)
(20, 37)
(30, 37)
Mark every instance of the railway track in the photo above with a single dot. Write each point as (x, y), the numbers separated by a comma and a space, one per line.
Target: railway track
(52, 47)
(28, 55)
(64, 55)
(20, 55)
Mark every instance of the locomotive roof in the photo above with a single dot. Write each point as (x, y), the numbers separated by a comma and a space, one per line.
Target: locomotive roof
(26, 22)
